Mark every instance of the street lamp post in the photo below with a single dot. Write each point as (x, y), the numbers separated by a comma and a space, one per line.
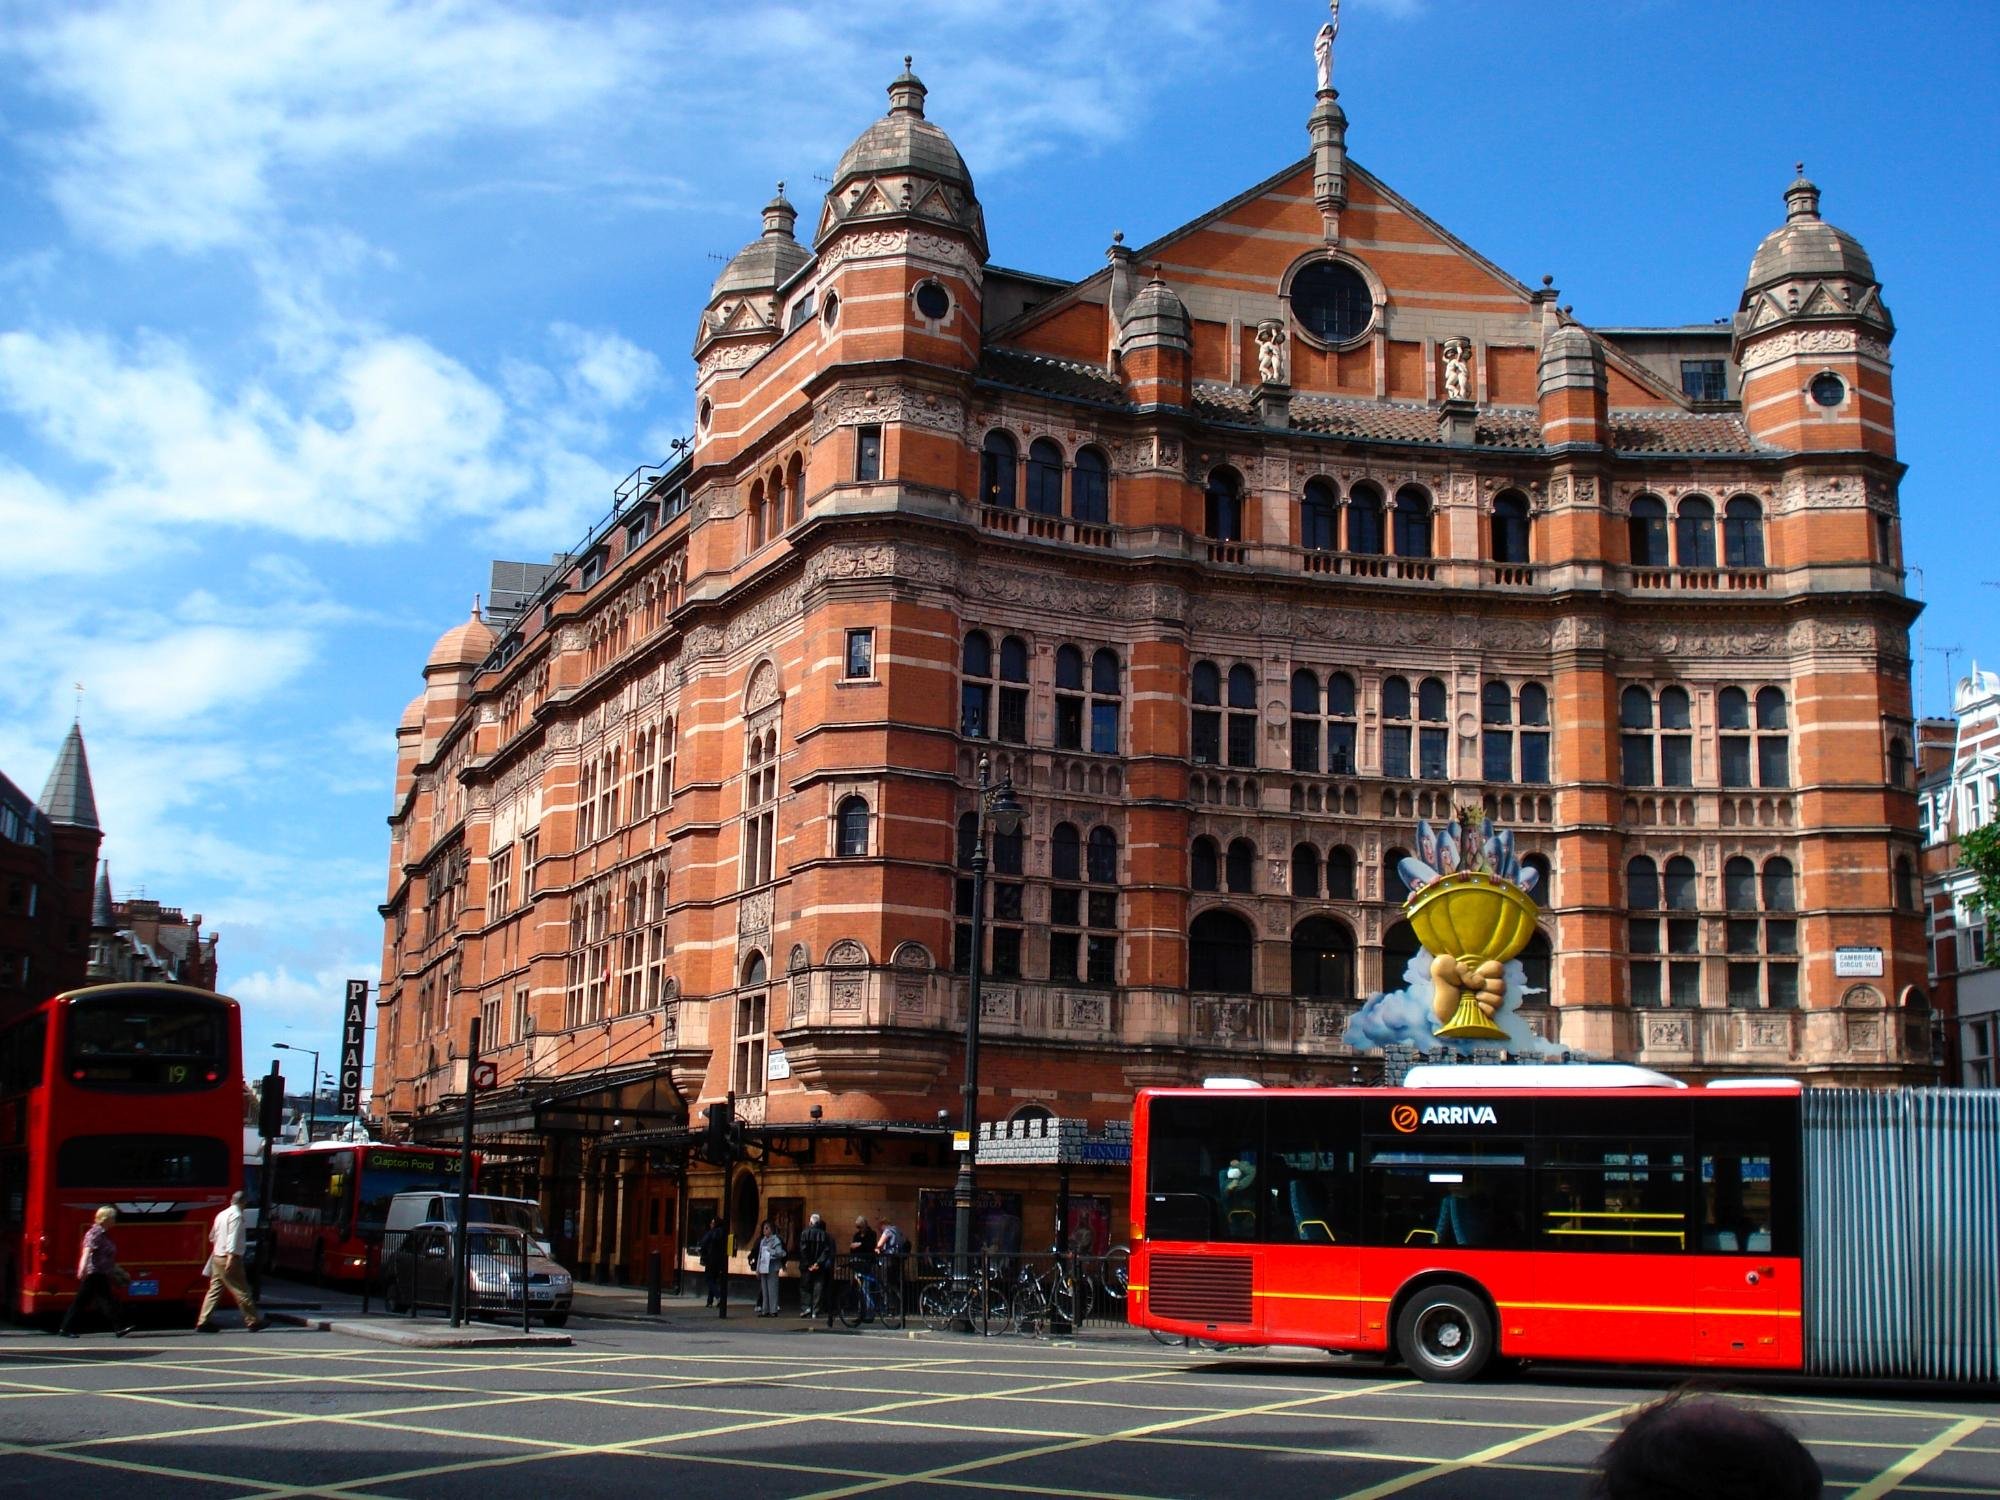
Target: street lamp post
(312, 1100)
(997, 806)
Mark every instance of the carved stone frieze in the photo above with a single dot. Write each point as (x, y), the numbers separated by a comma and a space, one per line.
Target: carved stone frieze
(1813, 341)
(1668, 1033)
(1084, 1012)
(847, 954)
(910, 999)
(562, 734)
(1636, 638)
(753, 914)
(856, 405)
(911, 955)
(844, 996)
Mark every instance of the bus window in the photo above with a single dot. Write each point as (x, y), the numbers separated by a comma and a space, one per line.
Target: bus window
(1601, 1196)
(336, 1209)
(1736, 1200)
(147, 1040)
(1310, 1177)
(1469, 1196)
(141, 1161)
(1202, 1169)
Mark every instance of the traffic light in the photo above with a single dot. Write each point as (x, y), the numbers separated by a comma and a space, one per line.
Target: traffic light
(271, 1105)
(720, 1137)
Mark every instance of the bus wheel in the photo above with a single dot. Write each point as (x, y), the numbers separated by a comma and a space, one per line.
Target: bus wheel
(1444, 1334)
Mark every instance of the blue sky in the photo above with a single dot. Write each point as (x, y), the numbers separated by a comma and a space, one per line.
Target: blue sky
(308, 310)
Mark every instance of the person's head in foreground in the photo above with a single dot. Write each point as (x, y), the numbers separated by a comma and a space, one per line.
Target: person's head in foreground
(1705, 1448)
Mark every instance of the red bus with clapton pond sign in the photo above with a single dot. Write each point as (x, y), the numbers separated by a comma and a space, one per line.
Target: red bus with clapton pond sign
(330, 1201)
(123, 1094)
(1581, 1212)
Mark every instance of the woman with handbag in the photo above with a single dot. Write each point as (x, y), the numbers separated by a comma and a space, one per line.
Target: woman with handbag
(769, 1262)
(96, 1269)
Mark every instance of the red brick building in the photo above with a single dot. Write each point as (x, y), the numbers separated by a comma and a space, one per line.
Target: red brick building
(1298, 523)
(48, 854)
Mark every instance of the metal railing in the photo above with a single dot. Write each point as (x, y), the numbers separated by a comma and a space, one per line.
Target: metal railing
(1037, 1295)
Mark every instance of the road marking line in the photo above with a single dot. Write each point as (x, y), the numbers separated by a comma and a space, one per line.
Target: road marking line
(1916, 1459)
(1485, 1455)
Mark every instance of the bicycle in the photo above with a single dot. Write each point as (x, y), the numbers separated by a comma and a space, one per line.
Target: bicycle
(974, 1301)
(868, 1298)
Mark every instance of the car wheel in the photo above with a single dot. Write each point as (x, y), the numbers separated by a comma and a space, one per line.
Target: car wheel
(1444, 1334)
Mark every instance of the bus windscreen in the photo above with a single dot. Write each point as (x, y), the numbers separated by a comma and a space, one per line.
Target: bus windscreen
(145, 1042)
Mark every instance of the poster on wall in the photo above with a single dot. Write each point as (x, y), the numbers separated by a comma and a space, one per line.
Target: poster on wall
(1089, 1224)
(996, 1222)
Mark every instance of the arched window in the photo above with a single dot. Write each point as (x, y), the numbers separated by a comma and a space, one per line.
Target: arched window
(1102, 867)
(1400, 952)
(1205, 692)
(1013, 659)
(1204, 874)
(998, 459)
(1681, 883)
(1305, 872)
(968, 839)
(1219, 953)
(1241, 866)
(1646, 530)
(975, 694)
(795, 491)
(1323, 959)
(759, 515)
(1045, 478)
(1340, 725)
(1069, 669)
(1413, 521)
(1223, 506)
(1397, 734)
(1340, 873)
(1648, 759)
(1739, 885)
(1544, 893)
(1395, 889)
(851, 827)
(1905, 885)
(1065, 853)
(1364, 520)
(1778, 893)
(753, 970)
(1319, 517)
(1305, 720)
(1510, 527)
(1238, 735)
(1008, 849)
(1763, 950)
(1012, 723)
(1433, 738)
(1537, 969)
(1774, 745)
(1642, 884)
(1104, 671)
(1899, 761)
(1743, 533)
(1090, 487)
(1496, 736)
(1694, 533)
(1395, 698)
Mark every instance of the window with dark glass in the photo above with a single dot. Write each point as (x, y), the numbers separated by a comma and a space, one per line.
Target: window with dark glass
(868, 454)
(1319, 515)
(933, 301)
(1732, 714)
(1704, 379)
(1899, 761)
(1340, 873)
(1045, 478)
(1305, 721)
(1534, 706)
(1223, 506)
(1242, 726)
(1413, 522)
(1323, 959)
(1204, 872)
(1364, 521)
(1433, 739)
(1904, 892)
(1510, 527)
(1394, 886)
(1340, 724)
(1013, 725)
(1305, 872)
(1219, 953)
(851, 835)
(975, 694)
(998, 459)
(1332, 301)
(860, 654)
(1496, 738)
(1090, 487)
(1106, 700)
(1694, 533)
(1205, 691)
(1646, 530)
(1773, 741)
(1743, 533)
(1240, 866)
(1396, 735)
(1676, 749)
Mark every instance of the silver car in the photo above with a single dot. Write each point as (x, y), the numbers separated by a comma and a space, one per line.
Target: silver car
(419, 1273)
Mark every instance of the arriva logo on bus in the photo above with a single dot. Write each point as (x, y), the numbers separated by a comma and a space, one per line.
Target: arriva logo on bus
(1406, 1118)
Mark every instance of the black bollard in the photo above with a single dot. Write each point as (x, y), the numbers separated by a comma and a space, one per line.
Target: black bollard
(653, 1284)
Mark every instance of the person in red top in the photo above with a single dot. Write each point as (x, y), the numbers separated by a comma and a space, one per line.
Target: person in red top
(96, 1269)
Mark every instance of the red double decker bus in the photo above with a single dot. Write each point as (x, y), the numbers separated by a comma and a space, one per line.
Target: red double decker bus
(1581, 1214)
(123, 1094)
(330, 1201)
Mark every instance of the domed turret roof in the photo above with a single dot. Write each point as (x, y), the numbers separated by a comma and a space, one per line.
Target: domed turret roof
(767, 262)
(1156, 315)
(904, 142)
(466, 644)
(1806, 247)
(413, 714)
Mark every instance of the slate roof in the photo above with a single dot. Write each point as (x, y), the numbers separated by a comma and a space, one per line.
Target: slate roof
(68, 799)
(1514, 428)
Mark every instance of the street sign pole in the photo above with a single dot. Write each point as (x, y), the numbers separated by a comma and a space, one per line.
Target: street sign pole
(459, 1311)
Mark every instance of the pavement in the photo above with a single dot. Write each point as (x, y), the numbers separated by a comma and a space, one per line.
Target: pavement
(698, 1405)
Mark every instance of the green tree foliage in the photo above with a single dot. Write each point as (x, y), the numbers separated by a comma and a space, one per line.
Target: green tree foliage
(1979, 852)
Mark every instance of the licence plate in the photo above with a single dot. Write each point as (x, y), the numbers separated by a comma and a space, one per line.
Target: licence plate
(147, 1288)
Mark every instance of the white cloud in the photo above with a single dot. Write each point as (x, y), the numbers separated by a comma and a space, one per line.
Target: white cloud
(605, 367)
(188, 674)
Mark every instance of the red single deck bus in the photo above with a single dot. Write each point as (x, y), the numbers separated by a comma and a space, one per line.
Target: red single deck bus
(123, 1094)
(329, 1200)
(1593, 1212)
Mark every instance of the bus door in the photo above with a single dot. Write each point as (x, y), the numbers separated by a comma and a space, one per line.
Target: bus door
(337, 1212)
(1747, 1278)
(1611, 1220)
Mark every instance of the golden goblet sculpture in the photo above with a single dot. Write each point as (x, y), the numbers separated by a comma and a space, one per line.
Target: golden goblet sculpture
(1476, 919)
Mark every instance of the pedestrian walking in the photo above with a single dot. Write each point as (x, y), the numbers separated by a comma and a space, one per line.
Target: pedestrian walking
(228, 1243)
(890, 1250)
(713, 1250)
(768, 1259)
(97, 1269)
(815, 1266)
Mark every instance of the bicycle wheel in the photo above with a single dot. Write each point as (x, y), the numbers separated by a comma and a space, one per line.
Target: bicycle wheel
(1171, 1340)
(848, 1304)
(889, 1311)
(1073, 1299)
(1117, 1274)
(934, 1307)
(1029, 1312)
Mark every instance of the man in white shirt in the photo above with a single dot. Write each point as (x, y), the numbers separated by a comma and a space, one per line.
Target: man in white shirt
(228, 1239)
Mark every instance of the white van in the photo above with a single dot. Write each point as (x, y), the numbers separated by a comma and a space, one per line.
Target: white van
(408, 1210)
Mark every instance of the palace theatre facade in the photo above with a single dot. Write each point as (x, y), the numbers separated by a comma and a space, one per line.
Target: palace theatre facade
(1237, 557)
